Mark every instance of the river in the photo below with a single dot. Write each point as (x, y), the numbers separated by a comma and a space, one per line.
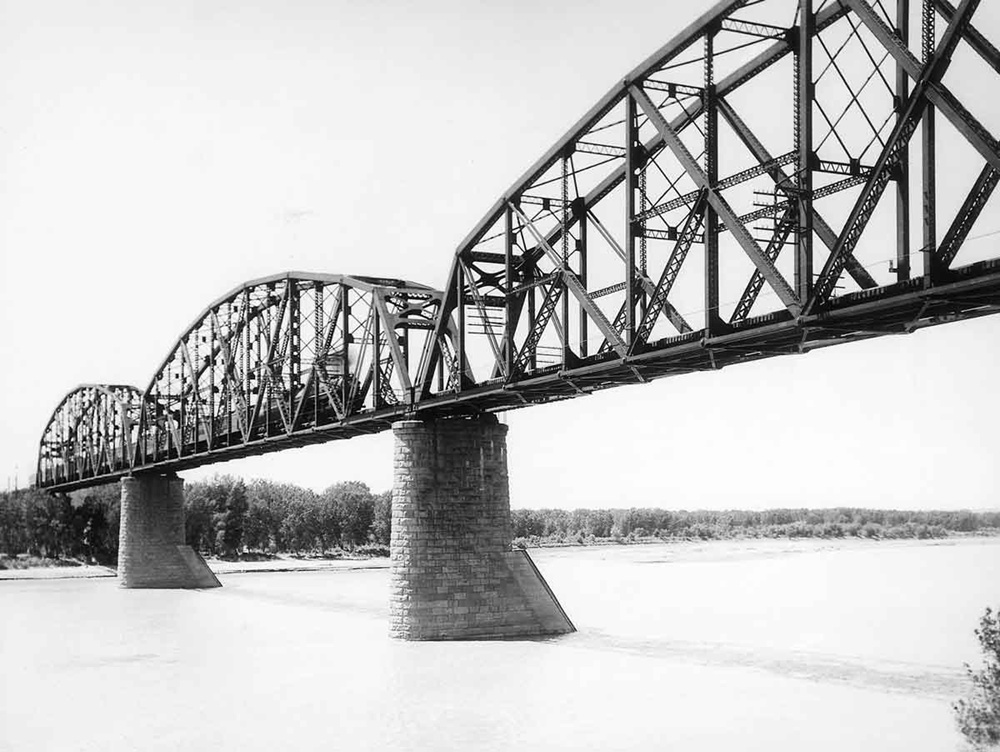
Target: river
(752, 645)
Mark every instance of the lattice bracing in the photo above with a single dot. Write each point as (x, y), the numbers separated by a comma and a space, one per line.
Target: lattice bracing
(92, 432)
(765, 183)
(275, 359)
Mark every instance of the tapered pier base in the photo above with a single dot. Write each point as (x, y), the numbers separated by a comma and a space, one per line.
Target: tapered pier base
(151, 549)
(454, 575)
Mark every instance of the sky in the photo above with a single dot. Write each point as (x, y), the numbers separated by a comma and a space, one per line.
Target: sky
(155, 155)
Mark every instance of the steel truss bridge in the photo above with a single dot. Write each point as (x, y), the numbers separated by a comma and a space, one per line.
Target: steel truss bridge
(827, 170)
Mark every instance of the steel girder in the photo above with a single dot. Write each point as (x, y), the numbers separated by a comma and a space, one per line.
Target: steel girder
(91, 433)
(670, 230)
(553, 220)
(278, 358)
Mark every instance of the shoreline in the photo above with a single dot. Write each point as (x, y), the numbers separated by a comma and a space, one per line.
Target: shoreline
(288, 563)
(542, 542)
(279, 563)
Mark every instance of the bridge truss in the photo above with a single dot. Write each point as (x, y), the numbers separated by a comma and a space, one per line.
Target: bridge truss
(779, 177)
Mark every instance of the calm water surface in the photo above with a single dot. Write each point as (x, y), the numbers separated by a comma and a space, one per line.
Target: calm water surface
(721, 646)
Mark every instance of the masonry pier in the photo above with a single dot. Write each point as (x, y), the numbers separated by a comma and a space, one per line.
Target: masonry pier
(151, 550)
(454, 575)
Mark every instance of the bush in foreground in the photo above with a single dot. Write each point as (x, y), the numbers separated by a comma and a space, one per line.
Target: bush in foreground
(978, 716)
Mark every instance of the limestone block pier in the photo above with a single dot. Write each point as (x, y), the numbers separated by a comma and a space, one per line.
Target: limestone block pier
(151, 549)
(453, 573)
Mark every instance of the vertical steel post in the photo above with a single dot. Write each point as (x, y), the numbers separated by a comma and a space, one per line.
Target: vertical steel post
(181, 409)
(903, 170)
(533, 359)
(264, 350)
(508, 253)
(318, 341)
(582, 247)
(226, 401)
(345, 314)
(377, 359)
(440, 374)
(208, 374)
(803, 142)
(631, 139)
(640, 229)
(564, 216)
(929, 148)
(405, 347)
(404, 350)
(196, 397)
(460, 309)
(165, 407)
(246, 363)
(147, 429)
(294, 345)
(712, 319)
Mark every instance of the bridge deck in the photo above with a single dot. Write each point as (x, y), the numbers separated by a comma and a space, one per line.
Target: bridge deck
(896, 309)
(581, 274)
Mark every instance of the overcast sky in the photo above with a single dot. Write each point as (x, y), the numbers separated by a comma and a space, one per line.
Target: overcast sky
(155, 155)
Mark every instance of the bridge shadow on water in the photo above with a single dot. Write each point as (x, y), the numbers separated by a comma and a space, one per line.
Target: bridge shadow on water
(365, 594)
(912, 679)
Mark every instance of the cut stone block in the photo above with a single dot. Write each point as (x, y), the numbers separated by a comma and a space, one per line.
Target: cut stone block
(453, 573)
(151, 549)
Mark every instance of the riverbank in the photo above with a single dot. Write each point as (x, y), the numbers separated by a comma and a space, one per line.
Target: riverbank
(904, 533)
(559, 541)
(41, 569)
(660, 550)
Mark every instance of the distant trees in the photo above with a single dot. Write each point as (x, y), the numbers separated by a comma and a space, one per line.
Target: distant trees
(13, 534)
(199, 517)
(96, 525)
(979, 716)
(222, 516)
(51, 525)
(230, 520)
(226, 516)
(301, 528)
(382, 521)
(536, 526)
(270, 503)
(353, 506)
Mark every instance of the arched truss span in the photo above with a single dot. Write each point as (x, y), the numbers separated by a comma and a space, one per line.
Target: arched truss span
(754, 188)
(91, 433)
(286, 360)
(288, 355)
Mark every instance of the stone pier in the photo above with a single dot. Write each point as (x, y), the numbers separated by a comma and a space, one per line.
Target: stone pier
(151, 550)
(454, 575)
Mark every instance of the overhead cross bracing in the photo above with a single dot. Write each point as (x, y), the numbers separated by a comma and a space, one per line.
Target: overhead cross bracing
(770, 181)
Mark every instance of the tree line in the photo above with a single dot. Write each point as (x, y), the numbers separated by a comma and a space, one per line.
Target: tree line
(580, 526)
(225, 516)
(52, 526)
